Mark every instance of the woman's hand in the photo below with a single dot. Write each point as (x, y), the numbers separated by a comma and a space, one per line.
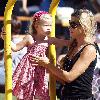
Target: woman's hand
(60, 61)
(42, 61)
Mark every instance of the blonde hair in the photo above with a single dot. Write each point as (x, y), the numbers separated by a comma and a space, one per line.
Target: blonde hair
(88, 22)
(43, 18)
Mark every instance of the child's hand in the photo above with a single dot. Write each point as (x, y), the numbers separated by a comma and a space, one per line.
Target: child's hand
(42, 61)
(3, 33)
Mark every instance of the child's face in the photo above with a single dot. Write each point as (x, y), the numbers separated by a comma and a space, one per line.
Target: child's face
(44, 26)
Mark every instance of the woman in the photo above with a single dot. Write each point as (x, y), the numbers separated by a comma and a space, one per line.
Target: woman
(16, 56)
(78, 65)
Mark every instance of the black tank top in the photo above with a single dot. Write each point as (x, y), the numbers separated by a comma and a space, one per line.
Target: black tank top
(81, 87)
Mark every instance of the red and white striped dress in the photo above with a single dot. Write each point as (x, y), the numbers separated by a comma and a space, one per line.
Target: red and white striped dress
(30, 79)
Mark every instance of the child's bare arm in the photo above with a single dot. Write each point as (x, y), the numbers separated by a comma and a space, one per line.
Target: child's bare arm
(18, 46)
(27, 40)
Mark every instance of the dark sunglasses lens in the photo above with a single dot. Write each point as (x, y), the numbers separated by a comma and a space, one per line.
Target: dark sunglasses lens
(73, 24)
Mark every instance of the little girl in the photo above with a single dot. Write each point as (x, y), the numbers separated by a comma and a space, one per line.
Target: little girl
(29, 79)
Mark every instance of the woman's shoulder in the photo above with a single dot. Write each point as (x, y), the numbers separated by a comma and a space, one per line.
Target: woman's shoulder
(89, 48)
(89, 51)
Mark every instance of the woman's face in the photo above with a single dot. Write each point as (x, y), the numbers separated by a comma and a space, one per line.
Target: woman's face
(75, 28)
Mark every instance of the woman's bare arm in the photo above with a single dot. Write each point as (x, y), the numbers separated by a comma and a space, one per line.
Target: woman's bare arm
(86, 57)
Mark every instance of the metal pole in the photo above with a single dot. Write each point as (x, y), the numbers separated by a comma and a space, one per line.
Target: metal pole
(52, 54)
(7, 49)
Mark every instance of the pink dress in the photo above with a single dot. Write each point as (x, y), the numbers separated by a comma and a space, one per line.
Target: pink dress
(29, 79)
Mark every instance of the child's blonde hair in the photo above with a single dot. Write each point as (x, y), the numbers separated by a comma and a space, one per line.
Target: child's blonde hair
(38, 17)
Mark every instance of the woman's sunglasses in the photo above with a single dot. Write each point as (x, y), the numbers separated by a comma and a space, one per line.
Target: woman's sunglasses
(74, 24)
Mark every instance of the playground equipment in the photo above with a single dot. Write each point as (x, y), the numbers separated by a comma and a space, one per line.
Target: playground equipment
(7, 49)
(52, 54)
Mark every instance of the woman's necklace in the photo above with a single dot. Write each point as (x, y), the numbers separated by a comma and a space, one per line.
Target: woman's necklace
(72, 46)
(71, 49)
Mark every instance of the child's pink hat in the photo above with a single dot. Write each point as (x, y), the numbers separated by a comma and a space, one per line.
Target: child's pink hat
(38, 14)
